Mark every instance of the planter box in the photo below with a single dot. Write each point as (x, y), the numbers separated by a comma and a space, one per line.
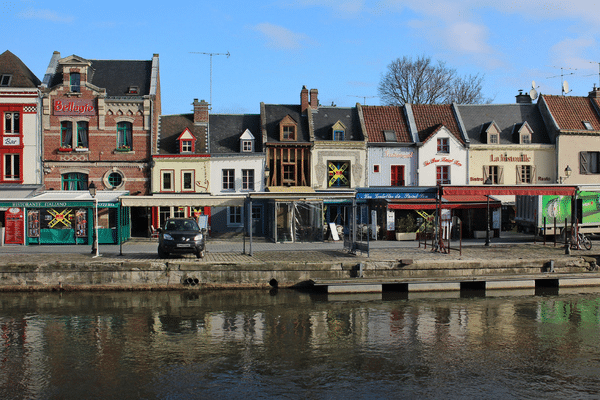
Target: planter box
(123, 150)
(406, 235)
(65, 150)
(81, 149)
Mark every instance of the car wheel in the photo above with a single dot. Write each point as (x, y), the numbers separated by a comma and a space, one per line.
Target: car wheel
(162, 253)
(200, 254)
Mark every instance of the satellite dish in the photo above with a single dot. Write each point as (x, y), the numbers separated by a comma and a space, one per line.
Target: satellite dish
(533, 84)
(533, 94)
(565, 87)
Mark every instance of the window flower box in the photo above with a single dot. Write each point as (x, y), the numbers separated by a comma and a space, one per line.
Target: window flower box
(81, 149)
(123, 149)
(65, 149)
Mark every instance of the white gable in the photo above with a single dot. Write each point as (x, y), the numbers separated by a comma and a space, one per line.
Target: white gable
(247, 135)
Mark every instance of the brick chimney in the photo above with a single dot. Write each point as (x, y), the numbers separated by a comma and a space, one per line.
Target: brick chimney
(314, 100)
(523, 98)
(304, 99)
(595, 93)
(200, 112)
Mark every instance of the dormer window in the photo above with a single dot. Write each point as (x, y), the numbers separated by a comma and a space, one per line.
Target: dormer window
(490, 133)
(493, 138)
(588, 125)
(5, 79)
(133, 90)
(186, 142)
(75, 82)
(524, 133)
(339, 131)
(186, 146)
(247, 142)
(526, 138)
(287, 129)
(390, 136)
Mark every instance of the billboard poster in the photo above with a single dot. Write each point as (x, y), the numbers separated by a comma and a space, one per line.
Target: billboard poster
(15, 229)
(559, 207)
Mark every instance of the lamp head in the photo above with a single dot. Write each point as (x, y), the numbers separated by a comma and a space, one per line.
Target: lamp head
(568, 171)
(92, 189)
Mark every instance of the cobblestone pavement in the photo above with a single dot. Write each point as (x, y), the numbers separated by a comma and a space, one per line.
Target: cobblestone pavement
(237, 252)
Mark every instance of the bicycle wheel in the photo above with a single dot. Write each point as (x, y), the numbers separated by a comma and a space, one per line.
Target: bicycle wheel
(586, 242)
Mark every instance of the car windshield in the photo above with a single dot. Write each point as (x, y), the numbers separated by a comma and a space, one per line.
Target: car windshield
(188, 225)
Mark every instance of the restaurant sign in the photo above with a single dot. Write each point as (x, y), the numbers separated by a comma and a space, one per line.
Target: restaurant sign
(74, 107)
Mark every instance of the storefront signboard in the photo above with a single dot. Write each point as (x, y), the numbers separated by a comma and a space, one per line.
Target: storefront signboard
(54, 204)
(74, 107)
(15, 219)
(12, 141)
(395, 195)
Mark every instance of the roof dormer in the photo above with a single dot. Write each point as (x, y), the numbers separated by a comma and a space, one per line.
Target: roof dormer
(187, 142)
(288, 129)
(522, 133)
(247, 142)
(338, 132)
(75, 72)
(490, 133)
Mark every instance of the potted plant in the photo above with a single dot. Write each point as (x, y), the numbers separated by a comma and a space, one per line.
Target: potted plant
(123, 148)
(81, 148)
(406, 228)
(65, 148)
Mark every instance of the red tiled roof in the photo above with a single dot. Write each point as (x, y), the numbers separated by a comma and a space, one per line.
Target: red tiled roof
(385, 118)
(429, 118)
(569, 112)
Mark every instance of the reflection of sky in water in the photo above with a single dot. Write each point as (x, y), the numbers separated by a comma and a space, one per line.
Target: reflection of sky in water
(253, 344)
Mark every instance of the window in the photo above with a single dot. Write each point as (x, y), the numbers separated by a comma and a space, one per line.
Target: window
(82, 135)
(12, 123)
(397, 175)
(133, 90)
(115, 179)
(234, 216)
(443, 145)
(493, 138)
(289, 174)
(74, 181)
(228, 179)
(525, 138)
(75, 82)
(376, 168)
(124, 136)
(442, 173)
(247, 146)
(589, 162)
(247, 179)
(288, 132)
(5, 79)
(494, 173)
(525, 174)
(339, 174)
(588, 125)
(167, 184)
(12, 167)
(186, 146)
(390, 136)
(338, 135)
(187, 181)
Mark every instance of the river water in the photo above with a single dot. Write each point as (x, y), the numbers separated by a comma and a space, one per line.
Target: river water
(286, 344)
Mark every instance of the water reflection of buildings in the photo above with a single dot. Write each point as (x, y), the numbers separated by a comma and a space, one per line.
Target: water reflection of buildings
(47, 340)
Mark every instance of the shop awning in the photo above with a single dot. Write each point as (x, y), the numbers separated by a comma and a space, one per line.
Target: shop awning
(497, 190)
(448, 202)
(182, 201)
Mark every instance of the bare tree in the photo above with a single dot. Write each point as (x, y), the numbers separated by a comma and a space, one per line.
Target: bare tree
(424, 82)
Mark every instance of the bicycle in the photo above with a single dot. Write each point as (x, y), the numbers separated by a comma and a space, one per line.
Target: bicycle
(581, 242)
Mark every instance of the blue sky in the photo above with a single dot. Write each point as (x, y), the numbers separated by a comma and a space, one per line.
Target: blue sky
(340, 48)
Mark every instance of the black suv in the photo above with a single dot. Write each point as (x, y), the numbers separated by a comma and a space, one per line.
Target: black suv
(181, 235)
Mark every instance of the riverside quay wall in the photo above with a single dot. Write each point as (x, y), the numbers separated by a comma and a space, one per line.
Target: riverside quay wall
(283, 269)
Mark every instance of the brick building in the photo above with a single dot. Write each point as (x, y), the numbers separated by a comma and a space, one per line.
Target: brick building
(99, 123)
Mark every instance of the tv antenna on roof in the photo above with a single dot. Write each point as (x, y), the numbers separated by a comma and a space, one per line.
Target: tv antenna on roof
(211, 56)
(593, 62)
(363, 97)
(564, 84)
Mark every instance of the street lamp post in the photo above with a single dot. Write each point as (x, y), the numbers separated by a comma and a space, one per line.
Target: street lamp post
(568, 171)
(95, 250)
(488, 181)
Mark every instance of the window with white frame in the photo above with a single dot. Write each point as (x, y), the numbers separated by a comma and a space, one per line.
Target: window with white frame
(186, 146)
(442, 174)
(234, 216)
(166, 181)
(12, 123)
(247, 146)
(187, 181)
(12, 167)
(228, 179)
(247, 179)
(494, 173)
(443, 145)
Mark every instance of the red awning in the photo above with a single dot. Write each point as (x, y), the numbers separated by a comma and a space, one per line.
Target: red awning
(498, 190)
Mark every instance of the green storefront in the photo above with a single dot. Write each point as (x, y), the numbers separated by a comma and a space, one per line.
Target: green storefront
(66, 218)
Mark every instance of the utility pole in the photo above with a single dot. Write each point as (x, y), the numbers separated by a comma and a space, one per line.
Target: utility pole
(211, 56)
(564, 86)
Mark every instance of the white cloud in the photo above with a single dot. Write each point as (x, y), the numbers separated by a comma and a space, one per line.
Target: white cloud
(570, 53)
(467, 37)
(342, 8)
(281, 38)
(44, 14)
